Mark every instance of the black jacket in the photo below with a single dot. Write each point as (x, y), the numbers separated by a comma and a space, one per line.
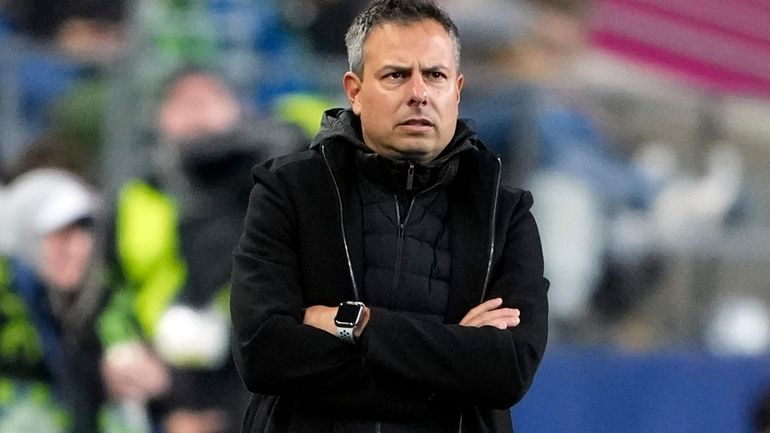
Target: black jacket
(302, 246)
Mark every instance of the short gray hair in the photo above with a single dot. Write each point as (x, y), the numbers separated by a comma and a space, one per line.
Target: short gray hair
(381, 12)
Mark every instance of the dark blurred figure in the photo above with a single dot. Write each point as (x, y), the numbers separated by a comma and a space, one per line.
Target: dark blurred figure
(174, 233)
(324, 22)
(56, 149)
(88, 29)
(57, 56)
(51, 290)
(488, 31)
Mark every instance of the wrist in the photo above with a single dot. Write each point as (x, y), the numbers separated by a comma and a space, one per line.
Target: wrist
(350, 315)
(364, 321)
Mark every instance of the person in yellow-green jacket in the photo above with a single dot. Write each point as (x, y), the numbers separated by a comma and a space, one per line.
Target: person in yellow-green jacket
(166, 328)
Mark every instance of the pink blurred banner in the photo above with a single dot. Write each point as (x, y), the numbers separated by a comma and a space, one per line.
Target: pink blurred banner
(723, 45)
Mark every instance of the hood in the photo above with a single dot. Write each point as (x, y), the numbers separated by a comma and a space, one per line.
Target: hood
(339, 123)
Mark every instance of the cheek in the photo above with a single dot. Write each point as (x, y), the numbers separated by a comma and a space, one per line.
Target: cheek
(372, 112)
(449, 110)
(379, 100)
(450, 102)
(54, 262)
(66, 260)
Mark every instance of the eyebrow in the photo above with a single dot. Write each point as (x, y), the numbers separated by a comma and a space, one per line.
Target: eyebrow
(400, 68)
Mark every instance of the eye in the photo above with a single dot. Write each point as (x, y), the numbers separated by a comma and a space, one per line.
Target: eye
(395, 75)
(436, 75)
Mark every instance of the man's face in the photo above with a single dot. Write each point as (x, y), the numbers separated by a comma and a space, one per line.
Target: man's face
(197, 105)
(410, 90)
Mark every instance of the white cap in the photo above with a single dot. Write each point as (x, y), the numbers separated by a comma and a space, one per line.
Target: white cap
(40, 202)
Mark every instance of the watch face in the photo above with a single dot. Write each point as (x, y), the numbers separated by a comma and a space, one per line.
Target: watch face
(348, 315)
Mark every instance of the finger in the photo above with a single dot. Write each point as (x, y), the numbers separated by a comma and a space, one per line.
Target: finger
(481, 309)
(489, 317)
(503, 323)
(496, 314)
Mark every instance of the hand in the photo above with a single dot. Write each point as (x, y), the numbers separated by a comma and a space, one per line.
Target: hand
(490, 313)
(199, 421)
(132, 371)
(321, 317)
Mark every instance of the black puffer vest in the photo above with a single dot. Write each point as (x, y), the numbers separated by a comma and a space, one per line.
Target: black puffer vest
(406, 243)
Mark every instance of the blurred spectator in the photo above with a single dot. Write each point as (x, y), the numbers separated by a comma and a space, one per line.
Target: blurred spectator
(51, 289)
(534, 130)
(552, 140)
(610, 205)
(322, 22)
(77, 120)
(87, 29)
(54, 59)
(32, 78)
(578, 160)
(55, 149)
(487, 30)
(174, 234)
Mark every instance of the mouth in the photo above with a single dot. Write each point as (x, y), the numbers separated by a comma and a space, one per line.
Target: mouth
(417, 123)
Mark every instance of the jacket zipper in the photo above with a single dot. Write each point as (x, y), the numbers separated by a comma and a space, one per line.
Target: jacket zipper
(492, 223)
(342, 224)
(401, 230)
(400, 243)
(410, 176)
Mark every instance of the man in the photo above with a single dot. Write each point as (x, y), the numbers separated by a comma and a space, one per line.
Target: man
(397, 212)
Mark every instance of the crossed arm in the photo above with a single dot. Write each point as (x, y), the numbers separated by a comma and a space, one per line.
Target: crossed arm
(488, 313)
(284, 348)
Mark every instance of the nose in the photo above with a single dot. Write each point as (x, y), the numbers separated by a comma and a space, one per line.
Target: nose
(419, 91)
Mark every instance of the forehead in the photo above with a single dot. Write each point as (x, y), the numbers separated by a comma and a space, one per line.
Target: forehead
(403, 43)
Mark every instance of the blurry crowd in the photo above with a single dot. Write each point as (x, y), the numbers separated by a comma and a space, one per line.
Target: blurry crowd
(115, 301)
(114, 289)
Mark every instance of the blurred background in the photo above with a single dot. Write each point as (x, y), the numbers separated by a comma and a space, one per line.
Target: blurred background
(642, 128)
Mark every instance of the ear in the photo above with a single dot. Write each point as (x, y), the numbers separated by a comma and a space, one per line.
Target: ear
(460, 82)
(352, 85)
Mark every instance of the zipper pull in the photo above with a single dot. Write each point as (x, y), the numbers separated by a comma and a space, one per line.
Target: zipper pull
(410, 176)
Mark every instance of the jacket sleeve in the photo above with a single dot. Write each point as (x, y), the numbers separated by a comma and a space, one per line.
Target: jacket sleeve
(483, 366)
(275, 353)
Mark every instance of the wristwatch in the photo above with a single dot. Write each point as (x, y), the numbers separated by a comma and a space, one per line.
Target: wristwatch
(349, 315)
